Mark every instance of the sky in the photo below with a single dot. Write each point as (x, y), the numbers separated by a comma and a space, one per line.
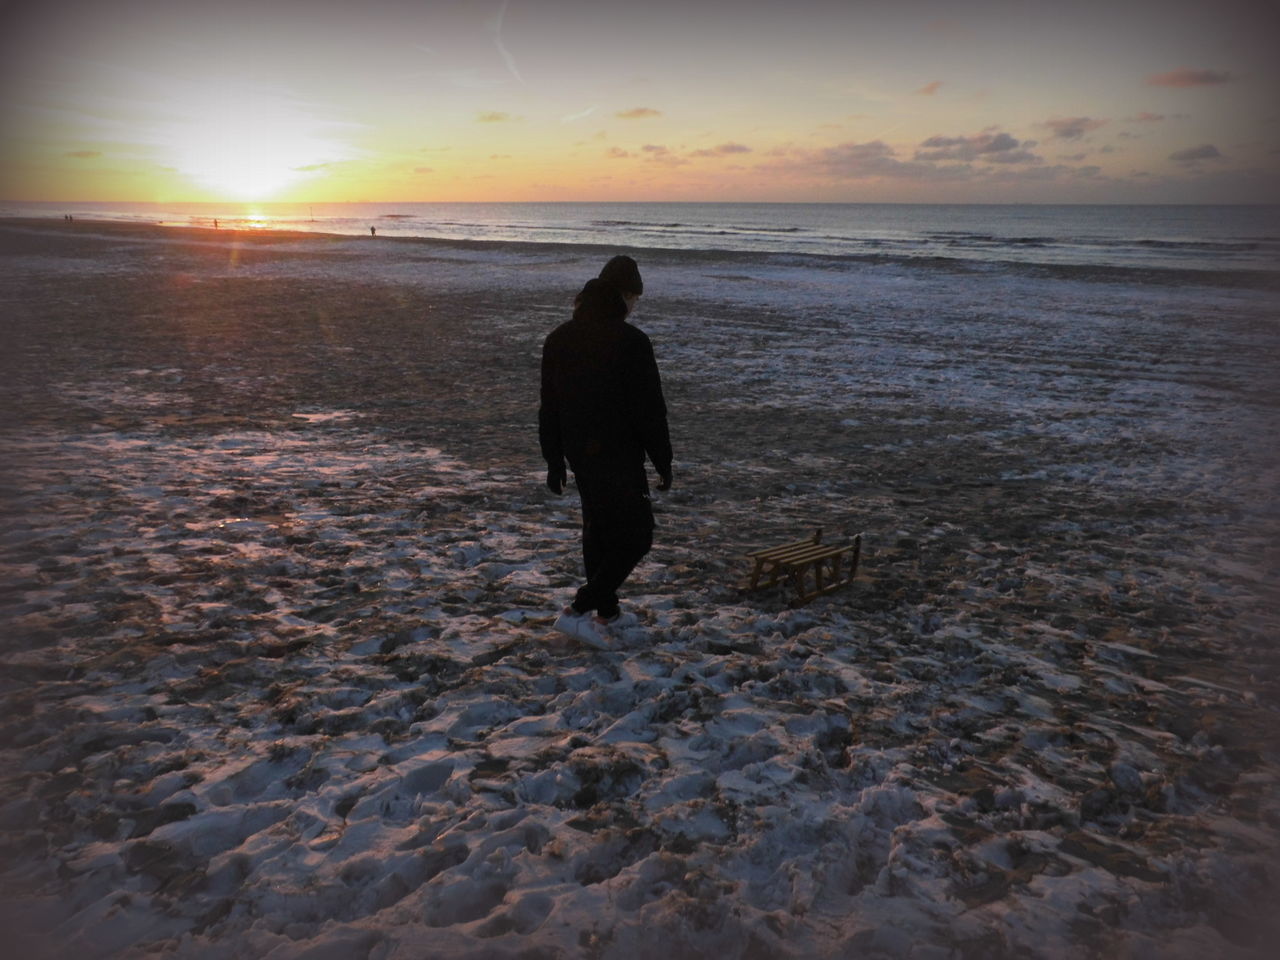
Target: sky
(962, 101)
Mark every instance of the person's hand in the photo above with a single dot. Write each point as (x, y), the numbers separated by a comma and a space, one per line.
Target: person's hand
(664, 479)
(556, 478)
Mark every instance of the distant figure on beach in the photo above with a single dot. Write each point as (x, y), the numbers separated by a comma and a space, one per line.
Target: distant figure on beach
(602, 409)
(215, 223)
(373, 231)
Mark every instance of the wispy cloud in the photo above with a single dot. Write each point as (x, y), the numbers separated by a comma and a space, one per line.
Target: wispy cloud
(877, 160)
(989, 145)
(723, 150)
(495, 116)
(638, 113)
(1072, 128)
(1146, 117)
(83, 154)
(1205, 151)
(494, 26)
(580, 115)
(1058, 173)
(1187, 77)
(929, 89)
(861, 161)
(661, 153)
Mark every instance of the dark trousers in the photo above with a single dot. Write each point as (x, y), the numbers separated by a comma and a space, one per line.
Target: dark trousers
(617, 531)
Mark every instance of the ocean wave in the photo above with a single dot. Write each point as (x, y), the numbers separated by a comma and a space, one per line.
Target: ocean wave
(1228, 245)
(699, 229)
(960, 236)
(635, 223)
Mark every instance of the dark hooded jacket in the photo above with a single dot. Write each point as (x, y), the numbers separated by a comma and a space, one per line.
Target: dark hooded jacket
(602, 406)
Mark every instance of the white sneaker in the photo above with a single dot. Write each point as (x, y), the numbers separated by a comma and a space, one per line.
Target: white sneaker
(596, 632)
(587, 627)
(567, 622)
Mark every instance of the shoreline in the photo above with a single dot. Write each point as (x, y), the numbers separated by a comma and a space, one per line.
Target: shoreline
(1259, 278)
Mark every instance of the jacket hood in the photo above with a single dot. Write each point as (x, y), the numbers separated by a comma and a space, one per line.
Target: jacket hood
(624, 274)
(599, 300)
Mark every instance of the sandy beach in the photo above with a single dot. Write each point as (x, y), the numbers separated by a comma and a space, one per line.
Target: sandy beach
(279, 568)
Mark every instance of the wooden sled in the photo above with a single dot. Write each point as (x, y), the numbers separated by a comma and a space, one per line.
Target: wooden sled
(828, 566)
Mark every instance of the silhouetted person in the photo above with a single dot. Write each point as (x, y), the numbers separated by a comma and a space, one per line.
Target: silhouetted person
(373, 231)
(602, 409)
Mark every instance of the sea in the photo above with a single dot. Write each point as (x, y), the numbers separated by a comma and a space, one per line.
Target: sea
(1227, 239)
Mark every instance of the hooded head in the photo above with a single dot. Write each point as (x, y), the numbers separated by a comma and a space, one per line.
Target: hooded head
(623, 273)
(599, 300)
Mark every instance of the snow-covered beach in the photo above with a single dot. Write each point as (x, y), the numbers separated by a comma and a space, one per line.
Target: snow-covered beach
(279, 569)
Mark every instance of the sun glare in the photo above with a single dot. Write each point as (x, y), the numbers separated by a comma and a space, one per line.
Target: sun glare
(242, 145)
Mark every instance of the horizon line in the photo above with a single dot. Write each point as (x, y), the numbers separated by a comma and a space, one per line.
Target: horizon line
(794, 203)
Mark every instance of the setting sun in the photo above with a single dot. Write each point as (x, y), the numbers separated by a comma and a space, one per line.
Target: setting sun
(244, 145)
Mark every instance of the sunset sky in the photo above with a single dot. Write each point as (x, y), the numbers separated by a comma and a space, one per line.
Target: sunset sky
(902, 100)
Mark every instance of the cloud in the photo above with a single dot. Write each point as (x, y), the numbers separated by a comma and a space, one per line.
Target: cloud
(856, 161)
(1072, 128)
(580, 115)
(989, 146)
(877, 160)
(1058, 173)
(723, 150)
(424, 169)
(659, 153)
(494, 116)
(84, 154)
(1186, 77)
(929, 89)
(1145, 117)
(1205, 151)
(494, 26)
(638, 113)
